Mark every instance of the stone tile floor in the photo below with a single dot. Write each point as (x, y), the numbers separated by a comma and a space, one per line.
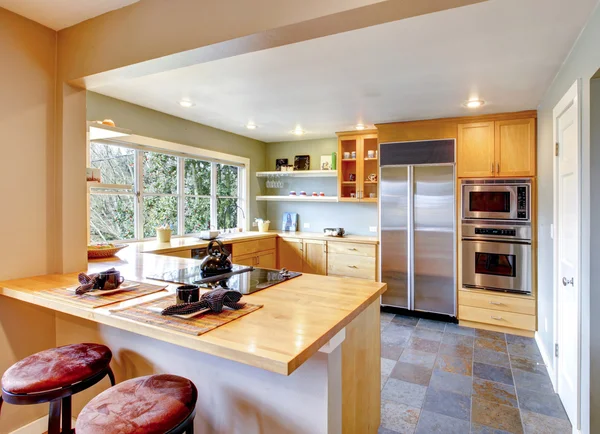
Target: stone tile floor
(442, 378)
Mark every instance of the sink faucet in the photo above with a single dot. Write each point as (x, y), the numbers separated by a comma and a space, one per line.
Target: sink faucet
(242, 210)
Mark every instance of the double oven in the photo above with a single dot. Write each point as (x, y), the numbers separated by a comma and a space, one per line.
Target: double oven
(496, 235)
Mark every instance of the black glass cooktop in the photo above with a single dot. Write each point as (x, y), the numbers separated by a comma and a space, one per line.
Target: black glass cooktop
(241, 278)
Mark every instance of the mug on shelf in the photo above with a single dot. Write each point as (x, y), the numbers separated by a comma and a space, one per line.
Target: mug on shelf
(346, 155)
(353, 154)
(371, 154)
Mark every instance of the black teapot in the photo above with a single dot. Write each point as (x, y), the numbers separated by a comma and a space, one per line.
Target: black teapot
(217, 261)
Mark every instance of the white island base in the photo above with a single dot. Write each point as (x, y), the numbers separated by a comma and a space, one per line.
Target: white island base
(335, 391)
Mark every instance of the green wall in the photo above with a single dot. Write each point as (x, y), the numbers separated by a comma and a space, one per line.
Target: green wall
(356, 218)
(151, 123)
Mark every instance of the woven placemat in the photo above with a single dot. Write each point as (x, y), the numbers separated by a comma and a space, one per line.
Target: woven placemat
(196, 326)
(95, 301)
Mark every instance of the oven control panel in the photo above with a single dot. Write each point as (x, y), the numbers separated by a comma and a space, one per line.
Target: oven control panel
(522, 202)
(496, 231)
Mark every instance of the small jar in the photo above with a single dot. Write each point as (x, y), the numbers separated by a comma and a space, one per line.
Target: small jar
(188, 294)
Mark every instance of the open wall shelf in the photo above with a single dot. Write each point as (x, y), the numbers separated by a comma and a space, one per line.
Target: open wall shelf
(298, 198)
(301, 174)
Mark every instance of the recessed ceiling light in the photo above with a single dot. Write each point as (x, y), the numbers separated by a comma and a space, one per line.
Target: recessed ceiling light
(186, 103)
(251, 126)
(298, 131)
(474, 103)
(360, 127)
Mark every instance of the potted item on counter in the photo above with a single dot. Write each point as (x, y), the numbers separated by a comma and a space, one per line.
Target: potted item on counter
(163, 233)
(263, 225)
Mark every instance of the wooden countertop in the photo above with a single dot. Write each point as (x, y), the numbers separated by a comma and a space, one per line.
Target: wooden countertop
(185, 243)
(319, 236)
(298, 317)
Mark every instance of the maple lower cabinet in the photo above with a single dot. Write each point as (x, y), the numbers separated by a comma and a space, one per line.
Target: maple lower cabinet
(502, 148)
(314, 257)
(515, 148)
(290, 254)
(352, 260)
(476, 153)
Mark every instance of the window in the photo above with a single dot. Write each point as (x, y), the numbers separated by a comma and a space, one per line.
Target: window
(144, 189)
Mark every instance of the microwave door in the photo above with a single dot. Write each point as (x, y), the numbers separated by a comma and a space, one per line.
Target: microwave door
(489, 202)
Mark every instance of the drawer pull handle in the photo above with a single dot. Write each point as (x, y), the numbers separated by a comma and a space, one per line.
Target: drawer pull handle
(352, 266)
(495, 303)
(353, 249)
(497, 318)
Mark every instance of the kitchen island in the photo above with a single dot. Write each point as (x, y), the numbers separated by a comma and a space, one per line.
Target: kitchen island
(306, 362)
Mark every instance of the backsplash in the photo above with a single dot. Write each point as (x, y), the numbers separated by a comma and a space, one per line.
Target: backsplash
(355, 218)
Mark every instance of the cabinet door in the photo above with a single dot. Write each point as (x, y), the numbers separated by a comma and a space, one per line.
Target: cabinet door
(289, 254)
(475, 156)
(266, 259)
(315, 257)
(515, 147)
(368, 166)
(348, 168)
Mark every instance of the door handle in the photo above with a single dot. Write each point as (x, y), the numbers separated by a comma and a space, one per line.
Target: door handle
(492, 167)
(568, 282)
(498, 168)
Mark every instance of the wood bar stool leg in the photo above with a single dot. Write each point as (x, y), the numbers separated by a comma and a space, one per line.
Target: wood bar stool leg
(66, 415)
(54, 417)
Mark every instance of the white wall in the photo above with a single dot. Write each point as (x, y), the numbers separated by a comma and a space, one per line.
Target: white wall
(582, 63)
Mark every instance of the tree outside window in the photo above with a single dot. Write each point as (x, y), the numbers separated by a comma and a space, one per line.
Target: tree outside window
(186, 193)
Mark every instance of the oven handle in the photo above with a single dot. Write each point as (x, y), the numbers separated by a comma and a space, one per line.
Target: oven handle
(498, 240)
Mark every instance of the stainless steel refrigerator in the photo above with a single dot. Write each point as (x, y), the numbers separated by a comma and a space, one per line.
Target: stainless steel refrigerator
(418, 225)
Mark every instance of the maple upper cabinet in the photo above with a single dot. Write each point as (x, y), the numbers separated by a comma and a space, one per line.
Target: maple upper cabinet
(515, 147)
(476, 153)
(357, 174)
(502, 148)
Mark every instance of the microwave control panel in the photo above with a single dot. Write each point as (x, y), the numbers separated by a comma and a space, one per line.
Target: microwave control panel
(496, 231)
(522, 202)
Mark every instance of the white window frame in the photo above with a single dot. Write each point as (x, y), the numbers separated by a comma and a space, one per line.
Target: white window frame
(141, 143)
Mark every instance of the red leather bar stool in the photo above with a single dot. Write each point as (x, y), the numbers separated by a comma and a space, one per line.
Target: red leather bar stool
(156, 404)
(54, 376)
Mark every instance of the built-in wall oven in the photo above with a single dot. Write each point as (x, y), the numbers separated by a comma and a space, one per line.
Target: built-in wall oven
(496, 234)
(497, 257)
(496, 199)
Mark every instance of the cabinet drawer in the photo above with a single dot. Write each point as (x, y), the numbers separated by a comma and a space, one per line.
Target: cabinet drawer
(340, 264)
(497, 302)
(264, 259)
(497, 317)
(351, 248)
(248, 247)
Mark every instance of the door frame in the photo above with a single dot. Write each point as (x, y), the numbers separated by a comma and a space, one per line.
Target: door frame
(573, 94)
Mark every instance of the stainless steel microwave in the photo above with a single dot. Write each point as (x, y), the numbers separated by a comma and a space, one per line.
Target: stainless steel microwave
(496, 199)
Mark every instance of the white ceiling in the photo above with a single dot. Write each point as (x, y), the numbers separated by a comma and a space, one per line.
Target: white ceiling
(59, 14)
(504, 51)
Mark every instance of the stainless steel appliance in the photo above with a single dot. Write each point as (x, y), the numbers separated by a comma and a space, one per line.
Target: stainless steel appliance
(497, 257)
(496, 199)
(418, 225)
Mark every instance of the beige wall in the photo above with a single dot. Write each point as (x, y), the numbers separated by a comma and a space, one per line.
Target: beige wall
(150, 123)
(27, 83)
(27, 80)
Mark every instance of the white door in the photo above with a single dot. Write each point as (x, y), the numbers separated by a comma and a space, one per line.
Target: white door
(567, 250)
